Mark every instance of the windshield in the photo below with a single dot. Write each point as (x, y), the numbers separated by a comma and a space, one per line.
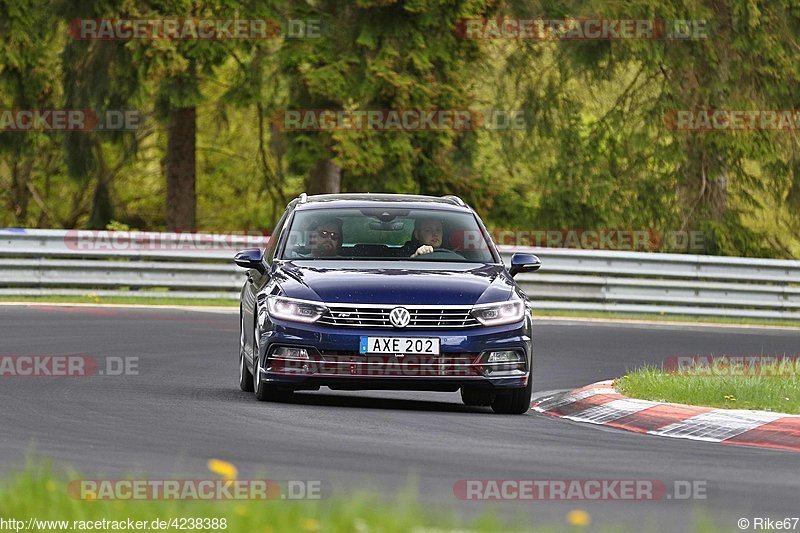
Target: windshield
(391, 234)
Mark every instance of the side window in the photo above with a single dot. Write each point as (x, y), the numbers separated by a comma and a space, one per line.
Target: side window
(269, 251)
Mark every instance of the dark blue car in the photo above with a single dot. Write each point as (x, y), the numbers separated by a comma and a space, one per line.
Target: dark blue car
(382, 291)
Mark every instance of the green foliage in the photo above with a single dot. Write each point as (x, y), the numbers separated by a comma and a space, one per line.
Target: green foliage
(31, 164)
(595, 151)
(387, 55)
(599, 106)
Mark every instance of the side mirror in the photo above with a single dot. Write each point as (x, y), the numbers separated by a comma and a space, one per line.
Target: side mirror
(251, 258)
(524, 263)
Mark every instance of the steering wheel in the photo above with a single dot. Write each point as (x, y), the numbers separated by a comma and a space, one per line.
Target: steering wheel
(440, 254)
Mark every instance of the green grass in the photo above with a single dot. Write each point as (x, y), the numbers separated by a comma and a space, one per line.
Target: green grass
(36, 493)
(696, 387)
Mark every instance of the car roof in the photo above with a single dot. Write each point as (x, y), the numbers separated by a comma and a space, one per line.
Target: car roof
(358, 200)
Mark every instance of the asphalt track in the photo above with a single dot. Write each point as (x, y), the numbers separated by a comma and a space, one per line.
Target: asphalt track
(184, 407)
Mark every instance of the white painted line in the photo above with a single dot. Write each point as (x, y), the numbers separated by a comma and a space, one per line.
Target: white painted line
(608, 412)
(717, 425)
(572, 398)
(193, 308)
(662, 323)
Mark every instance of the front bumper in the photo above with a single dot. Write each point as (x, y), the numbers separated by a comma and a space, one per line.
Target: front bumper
(334, 360)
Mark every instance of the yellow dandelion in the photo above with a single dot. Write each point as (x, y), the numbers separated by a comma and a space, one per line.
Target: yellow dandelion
(578, 517)
(223, 469)
(309, 524)
(730, 397)
(240, 510)
(50, 485)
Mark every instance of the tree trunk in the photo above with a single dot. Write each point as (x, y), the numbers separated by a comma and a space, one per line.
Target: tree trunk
(793, 196)
(718, 197)
(20, 175)
(102, 210)
(181, 169)
(325, 178)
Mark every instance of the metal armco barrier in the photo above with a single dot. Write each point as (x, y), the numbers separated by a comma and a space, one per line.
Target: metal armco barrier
(76, 262)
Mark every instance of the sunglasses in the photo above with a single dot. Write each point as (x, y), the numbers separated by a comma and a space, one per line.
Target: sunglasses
(329, 235)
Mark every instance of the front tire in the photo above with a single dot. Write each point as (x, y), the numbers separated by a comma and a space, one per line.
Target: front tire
(245, 377)
(477, 397)
(514, 401)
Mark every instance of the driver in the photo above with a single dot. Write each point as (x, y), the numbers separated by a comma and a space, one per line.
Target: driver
(325, 237)
(429, 233)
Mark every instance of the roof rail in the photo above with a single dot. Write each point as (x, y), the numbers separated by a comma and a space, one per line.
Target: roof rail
(455, 199)
(303, 198)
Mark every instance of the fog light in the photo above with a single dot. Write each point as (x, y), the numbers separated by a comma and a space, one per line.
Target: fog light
(504, 357)
(288, 352)
(502, 362)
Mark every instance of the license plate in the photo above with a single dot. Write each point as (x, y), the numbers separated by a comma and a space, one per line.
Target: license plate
(397, 345)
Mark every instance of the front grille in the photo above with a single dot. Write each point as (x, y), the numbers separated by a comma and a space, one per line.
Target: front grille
(378, 317)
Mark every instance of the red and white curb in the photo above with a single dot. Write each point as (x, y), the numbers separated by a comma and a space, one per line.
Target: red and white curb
(601, 404)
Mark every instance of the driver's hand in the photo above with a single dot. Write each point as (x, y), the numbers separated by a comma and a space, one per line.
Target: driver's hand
(424, 249)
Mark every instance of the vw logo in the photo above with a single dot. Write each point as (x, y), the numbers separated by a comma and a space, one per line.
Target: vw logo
(399, 317)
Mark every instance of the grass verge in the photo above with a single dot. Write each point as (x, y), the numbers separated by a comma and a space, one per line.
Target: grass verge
(36, 495)
(702, 386)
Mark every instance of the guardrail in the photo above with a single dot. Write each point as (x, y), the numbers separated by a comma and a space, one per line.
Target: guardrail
(57, 262)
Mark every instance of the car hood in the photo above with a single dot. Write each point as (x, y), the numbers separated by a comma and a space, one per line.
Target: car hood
(401, 283)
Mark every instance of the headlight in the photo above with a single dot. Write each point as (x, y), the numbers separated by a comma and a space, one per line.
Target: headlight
(499, 313)
(295, 310)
